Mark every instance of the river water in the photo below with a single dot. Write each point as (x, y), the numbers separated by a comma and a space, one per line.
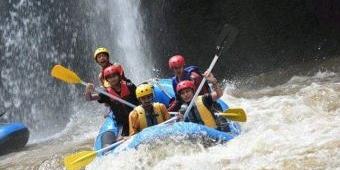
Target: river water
(293, 113)
(293, 125)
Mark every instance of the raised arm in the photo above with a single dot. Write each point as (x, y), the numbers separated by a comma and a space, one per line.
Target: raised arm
(217, 91)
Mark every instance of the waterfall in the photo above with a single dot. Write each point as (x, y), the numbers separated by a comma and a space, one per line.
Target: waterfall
(118, 25)
(36, 35)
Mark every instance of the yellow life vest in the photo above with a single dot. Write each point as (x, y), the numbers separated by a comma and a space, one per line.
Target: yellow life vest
(205, 114)
(142, 117)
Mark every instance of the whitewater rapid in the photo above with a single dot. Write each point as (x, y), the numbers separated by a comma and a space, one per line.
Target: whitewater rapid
(291, 126)
(294, 125)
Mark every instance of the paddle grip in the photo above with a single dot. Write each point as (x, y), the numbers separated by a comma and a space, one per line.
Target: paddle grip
(162, 88)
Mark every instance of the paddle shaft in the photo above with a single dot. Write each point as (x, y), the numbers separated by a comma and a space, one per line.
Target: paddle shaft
(170, 120)
(225, 40)
(111, 146)
(162, 88)
(234, 114)
(200, 86)
(174, 113)
(110, 95)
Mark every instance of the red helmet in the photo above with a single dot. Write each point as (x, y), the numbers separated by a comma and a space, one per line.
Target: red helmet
(176, 61)
(111, 70)
(185, 84)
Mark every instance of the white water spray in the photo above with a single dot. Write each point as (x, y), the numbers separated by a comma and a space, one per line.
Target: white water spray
(291, 126)
(124, 36)
(28, 93)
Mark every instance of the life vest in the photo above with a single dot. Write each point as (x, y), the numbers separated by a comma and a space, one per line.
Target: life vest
(201, 114)
(186, 76)
(124, 91)
(145, 122)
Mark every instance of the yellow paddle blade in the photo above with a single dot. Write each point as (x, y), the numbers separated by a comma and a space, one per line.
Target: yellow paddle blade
(235, 114)
(65, 74)
(79, 160)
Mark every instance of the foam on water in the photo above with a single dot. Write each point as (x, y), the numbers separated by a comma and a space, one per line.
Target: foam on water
(48, 153)
(291, 126)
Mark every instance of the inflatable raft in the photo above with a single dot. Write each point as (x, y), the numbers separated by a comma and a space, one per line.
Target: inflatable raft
(163, 92)
(13, 136)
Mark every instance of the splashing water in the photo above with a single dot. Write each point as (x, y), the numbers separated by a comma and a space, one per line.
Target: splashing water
(28, 93)
(294, 125)
(38, 34)
(291, 126)
(123, 34)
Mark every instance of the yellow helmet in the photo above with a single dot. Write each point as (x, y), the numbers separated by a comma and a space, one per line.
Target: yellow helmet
(143, 90)
(100, 50)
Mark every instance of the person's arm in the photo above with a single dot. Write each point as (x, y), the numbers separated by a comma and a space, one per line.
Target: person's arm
(132, 88)
(89, 93)
(217, 90)
(133, 123)
(165, 113)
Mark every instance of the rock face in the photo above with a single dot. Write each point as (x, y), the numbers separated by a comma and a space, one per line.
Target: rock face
(273, 34)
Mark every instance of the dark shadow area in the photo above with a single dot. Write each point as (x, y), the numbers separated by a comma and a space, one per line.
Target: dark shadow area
(273, 34)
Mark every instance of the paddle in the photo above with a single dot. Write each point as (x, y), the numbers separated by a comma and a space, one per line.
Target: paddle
(83, 158)
(234, 114)
(69, 76)
(224, 41)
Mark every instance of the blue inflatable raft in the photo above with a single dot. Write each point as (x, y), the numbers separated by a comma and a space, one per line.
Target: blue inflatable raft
(163, 92)
(13, 136)
(190, 131)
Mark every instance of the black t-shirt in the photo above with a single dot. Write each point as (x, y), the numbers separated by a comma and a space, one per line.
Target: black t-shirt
(121, 111)
(207, 100)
